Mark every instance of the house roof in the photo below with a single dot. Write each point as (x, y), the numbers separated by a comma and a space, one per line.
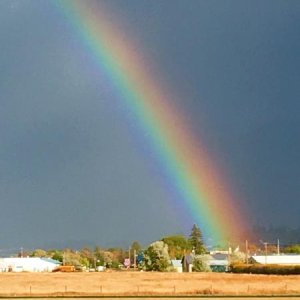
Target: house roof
(220, 256)
(50, 260)
(28, 260)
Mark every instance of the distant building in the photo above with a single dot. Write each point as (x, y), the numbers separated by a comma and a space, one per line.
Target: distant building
(177, 265)
(219, 262)
(28, 264)
(283, 259)
(187, 262)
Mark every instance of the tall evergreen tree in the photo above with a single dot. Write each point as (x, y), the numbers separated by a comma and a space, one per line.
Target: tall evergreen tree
(196, 240)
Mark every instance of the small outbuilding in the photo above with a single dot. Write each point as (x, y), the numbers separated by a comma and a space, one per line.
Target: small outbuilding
(187, 262)
(177, 265)
(219, 262)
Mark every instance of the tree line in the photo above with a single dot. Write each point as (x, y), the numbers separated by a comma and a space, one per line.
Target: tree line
(154, 257)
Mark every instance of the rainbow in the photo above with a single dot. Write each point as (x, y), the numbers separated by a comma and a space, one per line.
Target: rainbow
(187, 167)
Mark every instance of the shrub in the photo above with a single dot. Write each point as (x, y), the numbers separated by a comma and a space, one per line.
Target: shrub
(156, 257)
(265, 269)
(200, 263)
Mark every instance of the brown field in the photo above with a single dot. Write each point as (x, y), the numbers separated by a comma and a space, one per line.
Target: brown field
(142, 283)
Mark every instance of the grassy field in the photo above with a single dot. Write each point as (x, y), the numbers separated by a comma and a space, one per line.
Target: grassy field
(142, 283)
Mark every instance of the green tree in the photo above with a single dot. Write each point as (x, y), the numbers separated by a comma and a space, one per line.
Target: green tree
(117, 256)
(177, 245)
(99, 255)
(135, 250)
(156, 257)
(87, 257)
(72, 258)
(201, 263)
(196, 240)
(292, 249)
(136, 246)
(108, 259)
(55, 254)
(237, 258)
(39, 253)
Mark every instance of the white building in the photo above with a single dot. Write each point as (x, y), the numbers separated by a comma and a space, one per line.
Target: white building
(28, 264)
(218, 262)
(177, 265)
(276, 259)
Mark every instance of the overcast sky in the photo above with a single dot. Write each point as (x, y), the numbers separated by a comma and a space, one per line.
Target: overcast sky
(70, 170)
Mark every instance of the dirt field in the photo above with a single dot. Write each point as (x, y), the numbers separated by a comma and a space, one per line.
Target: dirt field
(142, 283)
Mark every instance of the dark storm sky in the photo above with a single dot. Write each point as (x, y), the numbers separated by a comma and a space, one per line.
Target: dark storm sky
(69, 168)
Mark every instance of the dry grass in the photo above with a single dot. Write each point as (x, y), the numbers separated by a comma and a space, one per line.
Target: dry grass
(141, 283)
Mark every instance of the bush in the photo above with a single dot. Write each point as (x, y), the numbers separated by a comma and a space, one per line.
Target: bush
(265, 269)
(200, 263)
(237, 258)
(156, 257)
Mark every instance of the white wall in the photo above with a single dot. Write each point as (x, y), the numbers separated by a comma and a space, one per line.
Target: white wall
(26, 264)
(277, 259)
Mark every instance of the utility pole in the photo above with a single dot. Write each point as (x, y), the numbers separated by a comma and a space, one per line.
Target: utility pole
(247, 252)
(228, 253)
(129, 257)
(278, 247)
(266, 251)
(134, 258)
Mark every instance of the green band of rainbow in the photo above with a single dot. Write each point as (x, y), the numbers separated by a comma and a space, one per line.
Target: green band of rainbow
(194, 177)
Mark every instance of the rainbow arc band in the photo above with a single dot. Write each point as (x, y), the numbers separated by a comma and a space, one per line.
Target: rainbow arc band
(197, 182)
